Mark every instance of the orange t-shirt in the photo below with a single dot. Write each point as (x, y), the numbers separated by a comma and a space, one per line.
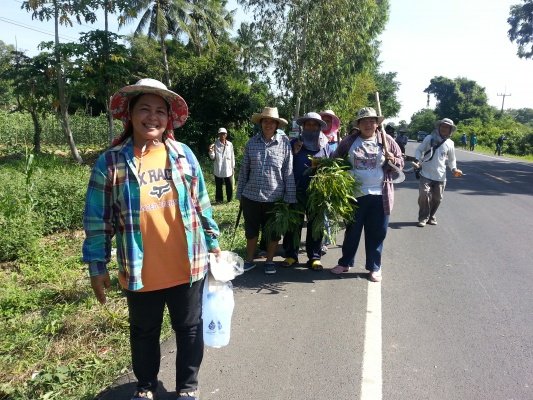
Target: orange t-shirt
(165, 260)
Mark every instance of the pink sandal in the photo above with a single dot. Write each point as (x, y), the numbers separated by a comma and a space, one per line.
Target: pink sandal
(339, 269)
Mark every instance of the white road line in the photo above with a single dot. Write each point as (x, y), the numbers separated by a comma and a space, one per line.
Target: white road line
(495, 177)
(372, 382)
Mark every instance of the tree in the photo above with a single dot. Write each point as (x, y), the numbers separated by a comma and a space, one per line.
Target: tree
(254, 54)
(423, 120)
(317, 51)
(387, 86)
(521, 31)
(61, 12)
(202, 21)
(33, 86)
(103, 61)
(459, 99)
(6, 57)
(522, 115)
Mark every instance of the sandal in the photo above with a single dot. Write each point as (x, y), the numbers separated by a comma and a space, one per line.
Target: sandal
(143, 395)
(289, 262)
(315, 265)
(339, 269)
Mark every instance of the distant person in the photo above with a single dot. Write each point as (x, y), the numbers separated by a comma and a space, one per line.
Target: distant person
(473, 141)
(402, 140)
(463, 141)
(365, 150)
(499, 145)
(265, 177)
(224, 166)
(433, 154)
(147, 190)
(310, 147)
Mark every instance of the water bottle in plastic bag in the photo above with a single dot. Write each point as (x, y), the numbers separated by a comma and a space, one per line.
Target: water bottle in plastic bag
(225, 265)
(217, 309)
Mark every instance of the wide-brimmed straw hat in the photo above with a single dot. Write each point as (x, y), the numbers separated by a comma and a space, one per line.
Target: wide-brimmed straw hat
(368, 112)
(446, 121)
(312, 116)
(178, 110)
(268, 112)
(335, 121)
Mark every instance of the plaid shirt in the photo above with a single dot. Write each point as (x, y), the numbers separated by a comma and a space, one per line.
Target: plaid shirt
(266, 172)
(394, 149)
(113, 208)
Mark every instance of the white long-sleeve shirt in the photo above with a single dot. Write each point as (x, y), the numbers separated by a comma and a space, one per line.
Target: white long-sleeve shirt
(435, 169)
(224, 158)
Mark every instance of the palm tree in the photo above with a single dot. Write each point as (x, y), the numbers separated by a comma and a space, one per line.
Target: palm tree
(157, 15)
(254, 54)
(201, 21)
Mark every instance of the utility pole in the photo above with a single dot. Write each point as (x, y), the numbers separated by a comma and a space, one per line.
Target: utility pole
(503, 95)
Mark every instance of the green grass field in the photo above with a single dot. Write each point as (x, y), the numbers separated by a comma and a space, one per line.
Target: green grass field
(57, 341)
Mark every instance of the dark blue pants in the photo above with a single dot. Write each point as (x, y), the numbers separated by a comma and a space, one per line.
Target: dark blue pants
(146, 309)
(370, 217)
(312, 245)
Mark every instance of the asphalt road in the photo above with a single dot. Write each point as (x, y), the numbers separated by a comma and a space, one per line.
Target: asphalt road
(452, 319)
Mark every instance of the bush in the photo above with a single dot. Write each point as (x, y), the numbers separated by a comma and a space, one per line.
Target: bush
(60, 193)
(20, 226)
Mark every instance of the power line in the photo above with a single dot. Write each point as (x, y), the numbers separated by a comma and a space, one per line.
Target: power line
(12, 22)
(82, 24)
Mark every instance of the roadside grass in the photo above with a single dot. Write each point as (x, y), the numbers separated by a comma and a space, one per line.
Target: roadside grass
(57, 341)
(490, 151)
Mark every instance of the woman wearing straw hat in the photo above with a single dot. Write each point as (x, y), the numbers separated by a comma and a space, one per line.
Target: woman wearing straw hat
(368, 154)
(148, 190)
(265, 177)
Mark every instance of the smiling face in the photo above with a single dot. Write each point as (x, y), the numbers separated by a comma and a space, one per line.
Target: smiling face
(367, 126)
(149, 118)
(269, 126)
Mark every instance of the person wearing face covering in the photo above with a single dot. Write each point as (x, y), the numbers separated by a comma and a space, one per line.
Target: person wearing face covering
(331, 130)
(308, 145)
(435, 152)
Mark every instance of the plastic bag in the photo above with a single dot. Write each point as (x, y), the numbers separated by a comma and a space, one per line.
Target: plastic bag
(225, 266)
(217, 310)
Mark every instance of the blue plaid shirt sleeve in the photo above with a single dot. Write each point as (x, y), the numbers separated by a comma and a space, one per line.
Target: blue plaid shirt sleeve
(97, 220)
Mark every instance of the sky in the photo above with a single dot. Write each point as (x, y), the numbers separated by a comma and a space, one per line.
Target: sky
(422, 39)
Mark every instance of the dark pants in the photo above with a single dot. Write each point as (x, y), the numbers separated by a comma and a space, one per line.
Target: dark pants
(291, 241)
(146, 309)
(370, 216)
(228, 182)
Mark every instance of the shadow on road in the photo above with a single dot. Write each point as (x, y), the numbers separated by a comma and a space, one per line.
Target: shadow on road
(124, 391)
(485, 178)
(257, 281)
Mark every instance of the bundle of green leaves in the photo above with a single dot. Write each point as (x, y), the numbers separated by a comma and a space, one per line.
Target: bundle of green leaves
(284, 217)
(331, 194)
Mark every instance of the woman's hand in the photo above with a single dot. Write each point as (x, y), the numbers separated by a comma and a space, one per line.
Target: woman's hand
(100, 283)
